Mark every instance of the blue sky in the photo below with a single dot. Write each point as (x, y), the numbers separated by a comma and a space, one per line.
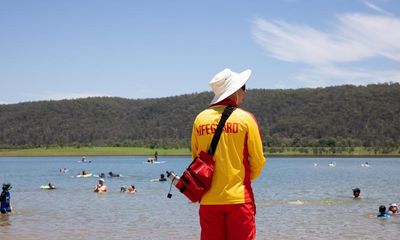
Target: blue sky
(53, 49)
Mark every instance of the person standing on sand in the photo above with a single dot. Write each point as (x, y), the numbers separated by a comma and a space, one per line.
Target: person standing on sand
(227, 210)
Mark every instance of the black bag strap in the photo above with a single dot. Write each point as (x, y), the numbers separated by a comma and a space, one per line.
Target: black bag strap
(225, 115)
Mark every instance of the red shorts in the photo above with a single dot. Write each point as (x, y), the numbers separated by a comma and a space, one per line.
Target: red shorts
(231, 222)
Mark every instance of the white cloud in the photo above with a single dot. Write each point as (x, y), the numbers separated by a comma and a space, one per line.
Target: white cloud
(358, 37)
(378, 34)
(300, 43)
(354, 39)
(376, 8)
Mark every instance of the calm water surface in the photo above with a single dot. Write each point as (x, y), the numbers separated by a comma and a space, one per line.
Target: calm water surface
(295, 199)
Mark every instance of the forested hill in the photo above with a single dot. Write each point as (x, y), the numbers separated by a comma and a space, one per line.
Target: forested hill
(331, 117)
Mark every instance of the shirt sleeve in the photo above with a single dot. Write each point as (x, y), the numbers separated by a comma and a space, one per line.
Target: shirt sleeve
(195, 145)
(255, 148)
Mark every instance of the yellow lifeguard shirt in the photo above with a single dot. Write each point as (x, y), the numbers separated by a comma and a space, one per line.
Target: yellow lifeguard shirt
(239, 156)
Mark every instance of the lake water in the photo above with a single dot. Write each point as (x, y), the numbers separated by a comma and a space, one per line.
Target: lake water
(295, 199)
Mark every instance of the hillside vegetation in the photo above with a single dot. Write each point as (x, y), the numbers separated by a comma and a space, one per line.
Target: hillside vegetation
(333, 117)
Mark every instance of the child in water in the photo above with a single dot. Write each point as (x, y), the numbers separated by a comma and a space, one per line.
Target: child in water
(5, 206)
(131, 189)
(356, 193)
(393, 209)
(162, 178)
(382, 212)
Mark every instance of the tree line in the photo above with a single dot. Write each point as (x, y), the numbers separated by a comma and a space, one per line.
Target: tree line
(333, 117)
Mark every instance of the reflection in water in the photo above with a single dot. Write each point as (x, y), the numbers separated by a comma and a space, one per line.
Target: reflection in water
(4, 220)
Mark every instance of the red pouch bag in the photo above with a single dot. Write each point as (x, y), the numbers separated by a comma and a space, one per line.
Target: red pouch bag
(197, 179)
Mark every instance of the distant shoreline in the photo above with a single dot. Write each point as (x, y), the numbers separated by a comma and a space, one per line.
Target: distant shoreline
(135, 151)
(92, 151)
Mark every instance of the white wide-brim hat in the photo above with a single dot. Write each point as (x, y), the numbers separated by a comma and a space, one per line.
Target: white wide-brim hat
(227, 82)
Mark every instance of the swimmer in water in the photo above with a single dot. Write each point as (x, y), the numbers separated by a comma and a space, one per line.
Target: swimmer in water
(356, 193)
(393, 209)
(111, 174)
(100, 187)
(162, 178)
(382, 212)
(131, 189)
(51, 186)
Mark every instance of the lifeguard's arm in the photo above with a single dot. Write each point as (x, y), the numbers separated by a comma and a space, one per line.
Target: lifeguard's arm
(255, 148)
(195, 145)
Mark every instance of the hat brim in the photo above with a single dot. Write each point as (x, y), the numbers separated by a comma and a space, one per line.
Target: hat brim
(236, 84)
